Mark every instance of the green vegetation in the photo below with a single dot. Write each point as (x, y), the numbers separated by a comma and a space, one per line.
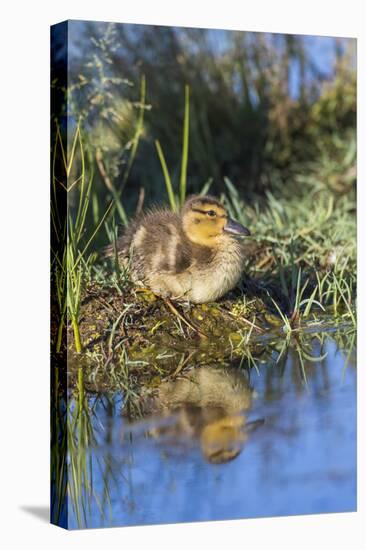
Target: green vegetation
(227, 123)
(69, 256)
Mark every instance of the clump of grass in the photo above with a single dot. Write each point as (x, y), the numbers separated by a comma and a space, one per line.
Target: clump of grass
(307, 249)
(300, 306)
(71, 257)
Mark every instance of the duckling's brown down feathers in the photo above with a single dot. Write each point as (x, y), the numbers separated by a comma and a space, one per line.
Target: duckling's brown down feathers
(162, 256)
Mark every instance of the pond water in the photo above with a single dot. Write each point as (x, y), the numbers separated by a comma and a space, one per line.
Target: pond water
(221, 442)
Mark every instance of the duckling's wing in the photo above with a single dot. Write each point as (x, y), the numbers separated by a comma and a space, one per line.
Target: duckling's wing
(178, 257)
(157, 243)
(163, 244)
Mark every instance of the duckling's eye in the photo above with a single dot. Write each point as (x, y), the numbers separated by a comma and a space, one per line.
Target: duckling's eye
(211, 213)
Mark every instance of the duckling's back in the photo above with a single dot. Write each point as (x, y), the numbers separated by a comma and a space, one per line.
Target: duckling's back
(155, 243)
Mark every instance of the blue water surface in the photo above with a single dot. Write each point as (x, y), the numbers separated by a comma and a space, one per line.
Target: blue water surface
(301, 459)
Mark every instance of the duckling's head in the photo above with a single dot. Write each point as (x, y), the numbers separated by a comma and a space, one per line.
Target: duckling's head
(206, 222)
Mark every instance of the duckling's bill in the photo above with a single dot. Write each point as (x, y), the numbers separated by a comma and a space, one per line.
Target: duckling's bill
(235, 228)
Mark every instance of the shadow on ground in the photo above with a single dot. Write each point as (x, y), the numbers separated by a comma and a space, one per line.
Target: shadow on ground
(40, 512)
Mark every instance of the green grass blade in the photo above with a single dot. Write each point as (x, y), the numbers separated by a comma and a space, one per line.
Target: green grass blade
(168, 182)
(138, 133)
(183, 172)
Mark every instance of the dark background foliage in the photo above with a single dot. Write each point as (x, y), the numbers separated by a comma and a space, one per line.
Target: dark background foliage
(264, 108)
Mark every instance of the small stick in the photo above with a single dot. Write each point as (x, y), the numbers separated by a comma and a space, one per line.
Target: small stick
(106, 179)
(140, 201)
(183, 363)
(174, 310)
(183, 318)
(243, 320)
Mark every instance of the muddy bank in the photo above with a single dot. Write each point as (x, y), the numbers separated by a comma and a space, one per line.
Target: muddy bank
(133, 339)
(138, 330)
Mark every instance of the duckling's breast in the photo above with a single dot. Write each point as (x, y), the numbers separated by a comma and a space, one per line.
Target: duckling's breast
(214, 279)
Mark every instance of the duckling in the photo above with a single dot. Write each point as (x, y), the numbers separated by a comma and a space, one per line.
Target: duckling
(195, 255)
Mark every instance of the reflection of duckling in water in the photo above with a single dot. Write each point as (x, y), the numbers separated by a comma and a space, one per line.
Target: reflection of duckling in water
(223, 439)
(208, 404)
(196, 255)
